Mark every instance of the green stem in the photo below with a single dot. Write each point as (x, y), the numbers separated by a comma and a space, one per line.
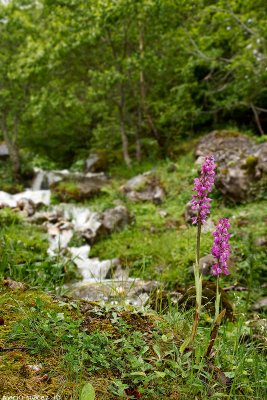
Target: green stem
(198, 284)
(218, 299)
(198, 244)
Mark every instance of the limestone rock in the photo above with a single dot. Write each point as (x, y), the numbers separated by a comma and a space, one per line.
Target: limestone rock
(14, 285)
(261, 241)
(96, 162)
(189, 213)
(27, 206)
(91, 269)
(240, 161)
(4, 152)
(205, 264)
(144, 187)
(69, 185)
(260, 305)
(33, 197)
(7, 200)
(114, 218)
(131, 291)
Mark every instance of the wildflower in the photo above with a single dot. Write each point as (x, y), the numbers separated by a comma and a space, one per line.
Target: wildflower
(221, 248)
(202, 186)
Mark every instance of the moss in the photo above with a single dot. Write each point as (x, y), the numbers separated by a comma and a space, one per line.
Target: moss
(250, 165)
(66, 191)
(16, 378)
(227, 133)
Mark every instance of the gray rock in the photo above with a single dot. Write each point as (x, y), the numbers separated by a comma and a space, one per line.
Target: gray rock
(36, 197)
(27, 206)
(87, 184)
(65, 219)
(4, 152)
(14, 285)
(189, 213)
(91, 162)
(91, 269)
(261, 241)
(260, 151)
(144, 187)
(240, 161)
(163, 213)
(205, 264)
(131, 291)
(260, 305)
(114, 218)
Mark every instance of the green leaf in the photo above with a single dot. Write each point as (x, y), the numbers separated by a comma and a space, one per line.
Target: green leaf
(185, 344)
(164, 338)
(156, 349)
(137, 373)
(160, 374)
(88, 392)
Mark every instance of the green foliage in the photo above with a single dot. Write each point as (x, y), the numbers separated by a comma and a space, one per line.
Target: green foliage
(23, 254)
(9, 218)
(136, 352)
(88, 392)
(144, 74)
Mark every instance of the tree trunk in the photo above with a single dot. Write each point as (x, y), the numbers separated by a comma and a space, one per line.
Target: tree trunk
(138, 151)
(124, 137)
(13, 149)
(145, 107)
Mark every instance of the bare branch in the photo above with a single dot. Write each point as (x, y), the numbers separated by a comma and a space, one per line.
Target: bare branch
(257, 119)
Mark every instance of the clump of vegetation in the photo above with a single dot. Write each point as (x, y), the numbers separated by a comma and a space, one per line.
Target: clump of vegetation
(23, 254)
(123, 353)
(126, 353)
(66, 191)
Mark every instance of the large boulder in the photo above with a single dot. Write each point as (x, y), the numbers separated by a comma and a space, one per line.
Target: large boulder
(69, 185)
(115, 218)
(144, 187)
(239, 162)
(96, 162)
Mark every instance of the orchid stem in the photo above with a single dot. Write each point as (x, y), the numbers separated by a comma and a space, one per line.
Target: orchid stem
(198, 285)
(218, 299)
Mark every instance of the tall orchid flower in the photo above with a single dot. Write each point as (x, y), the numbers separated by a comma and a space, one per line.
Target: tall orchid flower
(220, 251)
(221, 248)
(201, 202)
(203, 186)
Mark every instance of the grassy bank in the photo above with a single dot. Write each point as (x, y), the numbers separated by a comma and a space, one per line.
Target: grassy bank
(127, 353)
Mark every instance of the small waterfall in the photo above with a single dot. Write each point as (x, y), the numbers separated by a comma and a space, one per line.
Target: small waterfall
(38, 180)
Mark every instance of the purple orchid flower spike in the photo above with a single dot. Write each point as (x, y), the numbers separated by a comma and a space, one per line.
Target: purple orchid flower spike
(202, 186)
(221, 248)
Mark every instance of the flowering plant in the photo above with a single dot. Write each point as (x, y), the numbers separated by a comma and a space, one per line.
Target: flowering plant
(221, 248)
(201, 202)
(203, 185)
(220, 251)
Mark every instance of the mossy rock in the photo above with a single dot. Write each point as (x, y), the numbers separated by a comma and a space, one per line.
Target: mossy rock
(77, 190)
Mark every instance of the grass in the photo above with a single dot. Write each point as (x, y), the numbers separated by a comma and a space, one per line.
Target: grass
(23, 254)
(126, 353)
(119, 351)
